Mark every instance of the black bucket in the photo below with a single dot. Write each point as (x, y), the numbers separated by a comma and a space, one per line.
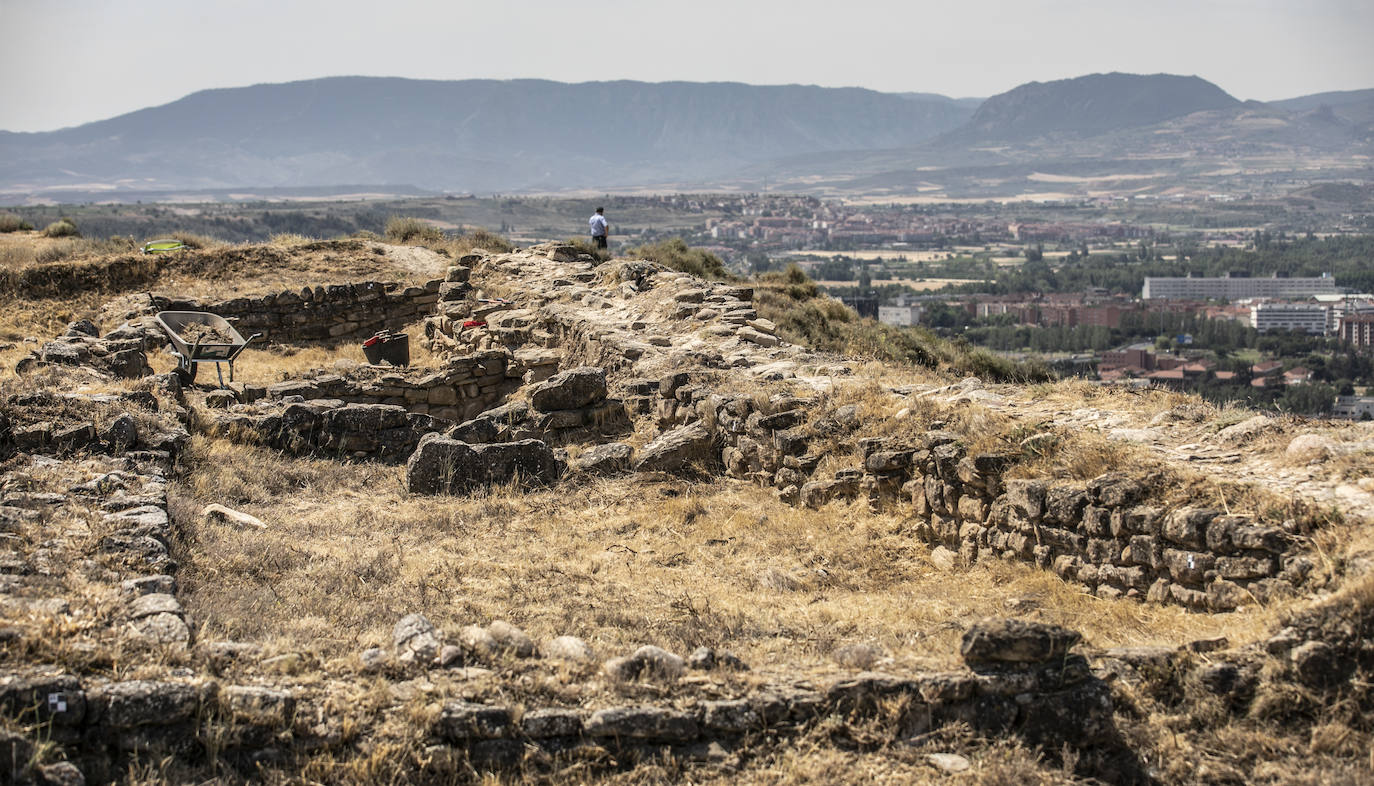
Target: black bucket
(393, 348)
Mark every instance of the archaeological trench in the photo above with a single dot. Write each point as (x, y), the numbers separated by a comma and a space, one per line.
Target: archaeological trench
(546, 393)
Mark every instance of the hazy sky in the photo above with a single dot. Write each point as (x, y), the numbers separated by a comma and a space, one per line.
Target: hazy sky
(66, 62)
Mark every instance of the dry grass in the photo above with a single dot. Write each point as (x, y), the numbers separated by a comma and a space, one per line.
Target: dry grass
(675, 564)
(266, 364)
(34, 267)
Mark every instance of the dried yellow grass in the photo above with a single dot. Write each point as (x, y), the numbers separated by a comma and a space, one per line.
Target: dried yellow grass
(620, 563)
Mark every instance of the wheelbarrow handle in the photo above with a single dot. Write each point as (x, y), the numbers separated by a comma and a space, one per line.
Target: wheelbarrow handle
(239, 349)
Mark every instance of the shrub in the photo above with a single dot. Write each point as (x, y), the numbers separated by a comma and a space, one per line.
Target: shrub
(404, 229)
(806, 316)
(481, 238)
(676, 254)
(585, 246)
(289, 239)
(62, 227)
(16, 256)
(193, 240)
(56, 252)
(12, 223)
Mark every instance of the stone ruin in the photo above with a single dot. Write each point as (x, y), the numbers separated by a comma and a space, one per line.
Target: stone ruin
(586, 376)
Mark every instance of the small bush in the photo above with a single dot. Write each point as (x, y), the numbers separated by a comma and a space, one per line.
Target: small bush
(289, 239)
(676, 254)
(12, 223)
(585, 246)
(62, 227)
(56, 252)
(15, 256)
(477, 238)
(193, 240)
(403, 229)
(481, 238)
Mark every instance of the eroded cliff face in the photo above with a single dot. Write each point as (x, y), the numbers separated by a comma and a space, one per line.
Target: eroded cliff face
(599, 391)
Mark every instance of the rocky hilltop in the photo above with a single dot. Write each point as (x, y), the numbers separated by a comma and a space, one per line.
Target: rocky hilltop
(614, 521)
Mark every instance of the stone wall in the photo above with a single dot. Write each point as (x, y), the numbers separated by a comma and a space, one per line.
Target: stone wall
(325, 427)
(1109, 534)
(461, 388)
(337, 312)
(370, 412)
(1020, 679)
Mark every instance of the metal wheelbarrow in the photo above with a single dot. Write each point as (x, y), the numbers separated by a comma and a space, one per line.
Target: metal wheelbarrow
(192, 350)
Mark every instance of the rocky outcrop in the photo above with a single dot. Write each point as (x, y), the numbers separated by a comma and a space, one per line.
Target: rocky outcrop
(447, 466)
(121, 353)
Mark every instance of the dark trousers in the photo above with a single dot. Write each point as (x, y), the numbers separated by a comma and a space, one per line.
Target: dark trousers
(599, 240)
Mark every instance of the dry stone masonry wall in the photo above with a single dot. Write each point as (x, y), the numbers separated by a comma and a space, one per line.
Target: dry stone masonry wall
(336, 312)
(1106, 534)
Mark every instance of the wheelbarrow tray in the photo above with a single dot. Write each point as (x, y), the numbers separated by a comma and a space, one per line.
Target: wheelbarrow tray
(174, 322)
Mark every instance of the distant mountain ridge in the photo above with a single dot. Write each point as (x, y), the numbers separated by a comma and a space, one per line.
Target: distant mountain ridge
(486, 136)
(470, 135)
(1091, 105)
(1356, 106)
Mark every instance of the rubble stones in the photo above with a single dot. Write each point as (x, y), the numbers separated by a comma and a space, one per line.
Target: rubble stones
(511, 639)
(158, 618)
(416, 638)
(460, 721)
(545, 723)
(642, 723)
(570, 389)
(479, 641)
(676, 449)
(1000, 641)
(648, 662)
(755, 337)
(607, 459)
(568, 648)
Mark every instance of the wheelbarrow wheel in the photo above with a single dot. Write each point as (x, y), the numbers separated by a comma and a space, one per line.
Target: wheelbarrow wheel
(186, 373)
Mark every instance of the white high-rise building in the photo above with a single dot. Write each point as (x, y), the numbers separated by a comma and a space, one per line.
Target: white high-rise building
(1236, 287)
(1311, 318)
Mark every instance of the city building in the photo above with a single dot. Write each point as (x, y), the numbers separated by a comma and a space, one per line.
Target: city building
(904, 316)
(1353, 407)
(1310, 318)
(1357, 330)
(1234, 287)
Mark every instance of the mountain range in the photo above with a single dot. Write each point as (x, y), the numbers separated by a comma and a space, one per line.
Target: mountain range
(537, 135)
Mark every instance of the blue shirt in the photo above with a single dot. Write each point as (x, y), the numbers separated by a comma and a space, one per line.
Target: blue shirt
(598, 225)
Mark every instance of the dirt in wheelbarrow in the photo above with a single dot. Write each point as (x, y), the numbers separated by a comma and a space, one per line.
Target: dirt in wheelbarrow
(206, 334)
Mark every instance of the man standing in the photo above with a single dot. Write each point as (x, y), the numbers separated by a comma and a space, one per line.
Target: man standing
(600, 229)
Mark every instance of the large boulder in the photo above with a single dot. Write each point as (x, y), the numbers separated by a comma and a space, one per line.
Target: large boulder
(441, 465)
(605, 459)
(570, 389)
(674, 450)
